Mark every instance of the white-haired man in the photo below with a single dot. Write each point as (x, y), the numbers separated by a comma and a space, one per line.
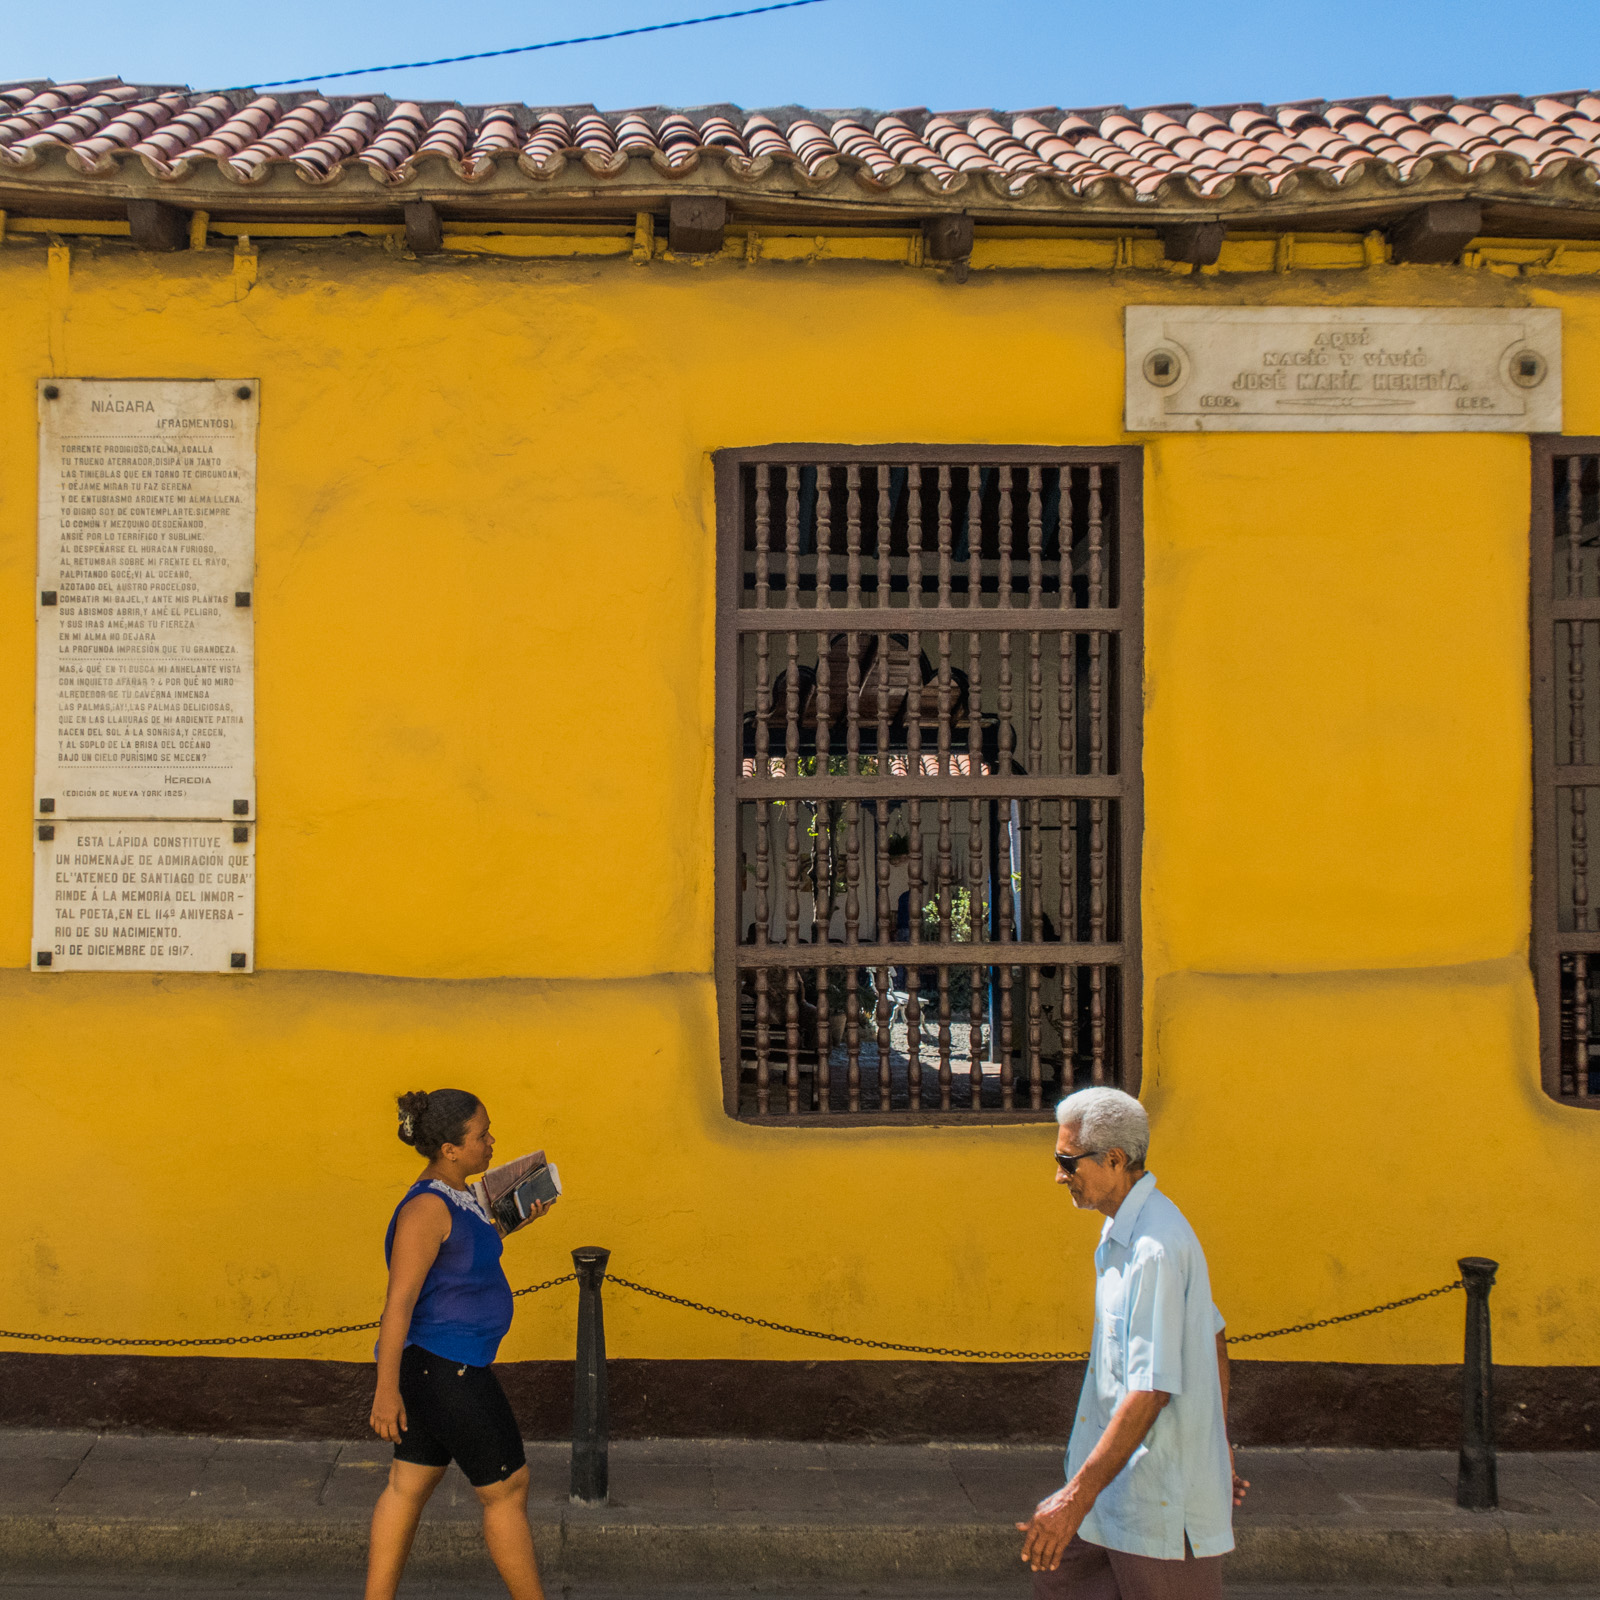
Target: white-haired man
(1147, 1510)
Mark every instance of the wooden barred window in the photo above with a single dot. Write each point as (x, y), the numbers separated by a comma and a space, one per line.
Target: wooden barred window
(1565, 593)
(929, 682)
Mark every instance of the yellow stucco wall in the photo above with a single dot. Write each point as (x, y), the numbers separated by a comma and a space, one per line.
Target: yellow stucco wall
(485, 645)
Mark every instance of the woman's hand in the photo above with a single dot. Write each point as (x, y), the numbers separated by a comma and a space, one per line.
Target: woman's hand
(1241, 1486)
(539, 1209)
(388, 1419)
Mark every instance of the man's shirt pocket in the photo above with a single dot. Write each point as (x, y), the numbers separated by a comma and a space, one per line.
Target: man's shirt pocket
(1112, 1376)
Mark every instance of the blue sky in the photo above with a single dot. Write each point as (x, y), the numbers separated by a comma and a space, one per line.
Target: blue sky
(945, 54)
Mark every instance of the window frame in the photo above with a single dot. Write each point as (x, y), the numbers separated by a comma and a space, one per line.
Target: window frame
(1128, 461)
(1547, 944)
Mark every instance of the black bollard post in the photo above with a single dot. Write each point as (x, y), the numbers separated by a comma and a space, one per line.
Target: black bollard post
(1476, 1485)
(591, 1416)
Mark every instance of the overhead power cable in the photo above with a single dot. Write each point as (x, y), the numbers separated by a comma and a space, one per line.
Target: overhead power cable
(524, 49)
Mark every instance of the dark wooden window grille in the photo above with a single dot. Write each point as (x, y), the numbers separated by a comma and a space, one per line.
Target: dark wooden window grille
(1565, 593)
(929, 682)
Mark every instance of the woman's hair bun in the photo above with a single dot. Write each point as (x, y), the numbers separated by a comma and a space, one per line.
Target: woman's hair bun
(429, 1121)
(411, 1107)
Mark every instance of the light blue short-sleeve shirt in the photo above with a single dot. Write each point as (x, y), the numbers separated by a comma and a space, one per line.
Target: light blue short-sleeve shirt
(1155, 1327)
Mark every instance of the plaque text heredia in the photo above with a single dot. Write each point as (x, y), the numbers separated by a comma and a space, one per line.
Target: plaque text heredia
(146, 556)
(1398, 369)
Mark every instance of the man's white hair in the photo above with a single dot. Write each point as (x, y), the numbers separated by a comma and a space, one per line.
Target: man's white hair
(1107, 1119)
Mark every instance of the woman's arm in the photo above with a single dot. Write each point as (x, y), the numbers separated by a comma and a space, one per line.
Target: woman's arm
(423, 1226)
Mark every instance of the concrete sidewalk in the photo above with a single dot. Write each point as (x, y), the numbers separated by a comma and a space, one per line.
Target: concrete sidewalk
(741, 1512)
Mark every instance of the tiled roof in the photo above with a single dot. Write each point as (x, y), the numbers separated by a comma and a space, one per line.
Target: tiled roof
(1547, 146)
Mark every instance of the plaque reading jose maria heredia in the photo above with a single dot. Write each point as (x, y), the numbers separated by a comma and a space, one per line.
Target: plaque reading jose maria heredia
(144, 897)
(146, 560)
(1394, 369)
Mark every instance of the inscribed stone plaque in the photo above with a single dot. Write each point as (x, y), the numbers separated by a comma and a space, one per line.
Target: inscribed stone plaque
(144, 897)
(146, 561)
(1392, 369)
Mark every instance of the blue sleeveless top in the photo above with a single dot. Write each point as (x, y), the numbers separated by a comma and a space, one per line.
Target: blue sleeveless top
(465, 1307)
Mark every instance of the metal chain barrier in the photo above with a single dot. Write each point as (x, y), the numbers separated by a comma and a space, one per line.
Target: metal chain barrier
(239, 1338)
(1351, 1316)
(999, 1355)
(534, 1288)
(844, 1338)
(729, 1316)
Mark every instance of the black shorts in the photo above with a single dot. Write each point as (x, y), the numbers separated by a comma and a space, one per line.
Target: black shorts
(460, 1414)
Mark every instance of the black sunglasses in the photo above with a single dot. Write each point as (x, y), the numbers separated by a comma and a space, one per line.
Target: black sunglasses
(1069, 1164)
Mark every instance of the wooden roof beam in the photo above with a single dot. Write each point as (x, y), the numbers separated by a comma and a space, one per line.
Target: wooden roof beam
(695, 224)
(1436, 234)
(424, 228)
(947, 238)
(154, 225)
(1199, 243)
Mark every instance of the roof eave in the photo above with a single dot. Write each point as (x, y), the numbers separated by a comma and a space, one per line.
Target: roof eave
(510, 189)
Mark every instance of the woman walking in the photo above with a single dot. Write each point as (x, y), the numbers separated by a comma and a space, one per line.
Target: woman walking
(448, 1308)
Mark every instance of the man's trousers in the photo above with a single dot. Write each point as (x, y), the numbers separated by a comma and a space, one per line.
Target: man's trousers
(1091, 1572)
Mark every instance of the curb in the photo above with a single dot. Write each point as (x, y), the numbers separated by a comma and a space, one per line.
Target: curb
(1504, 1549)
(1500, 1548)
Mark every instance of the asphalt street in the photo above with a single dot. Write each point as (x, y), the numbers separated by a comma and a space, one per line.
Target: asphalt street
(244, 1586)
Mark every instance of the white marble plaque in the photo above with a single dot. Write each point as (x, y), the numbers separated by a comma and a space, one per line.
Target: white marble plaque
(146, 567)
(144, 897)
(1390, 369)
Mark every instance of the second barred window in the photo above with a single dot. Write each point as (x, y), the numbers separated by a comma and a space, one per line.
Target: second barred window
(928, 780)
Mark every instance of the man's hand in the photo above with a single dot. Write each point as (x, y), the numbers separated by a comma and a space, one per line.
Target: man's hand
(388, 1419)
(1241, 1486)
(1049, 1531)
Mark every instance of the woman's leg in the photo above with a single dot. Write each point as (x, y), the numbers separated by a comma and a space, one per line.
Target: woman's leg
(394, 1525)
(506, 1532)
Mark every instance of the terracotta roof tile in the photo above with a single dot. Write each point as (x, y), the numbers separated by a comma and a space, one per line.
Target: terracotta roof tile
(955, 146)
(1159, 153)
(908, 150)
(164, 145)
(396, 140)
(498, 132)
(718, 133)
(635, 136)
(449, 136)
(763, 139)
(283, 139)
(813, 148)
(594, 133)
(544, 153)
(124, 130)
(1251, 121)
(858, 143)
(679, 140)
(1297, 117)
(352, 133)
